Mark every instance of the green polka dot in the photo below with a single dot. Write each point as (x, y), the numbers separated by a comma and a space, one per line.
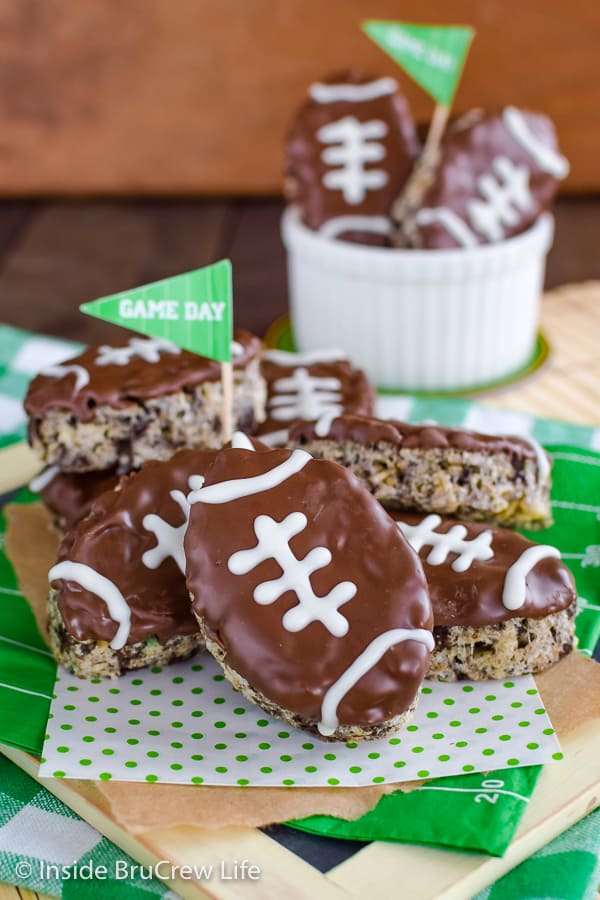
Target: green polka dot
(423, 773)
(218, 678)
(69, 707)
(176, 724)
(373, 755)
(154, 712)
(197, 690)
(285, 758)
(509, 684)
(393, 742)
(153, 732)
(197, 735)
(438, 736)
(110, 730)
(156, 670)
(176, 702)
(399, 764)
(132, 741)
(454, 723)
(178, 680)
(197, 714)
(516, 705)
(196, 779)
(462, 744)
(85, 762)
(331, 781)
(355, 769)
(548, 731)
(96, 681)
(239, 711)
(531, 691)
(135, 702)
(557, 755)
(241, 735)
(512, 762)
(62, 749)
(262, 723)
(467, 688)
(524, 724)
(112, 710)
(114, 690)
(88, 738)
(137, 681)
(197, 667)
(497, 718)
(242, 758)
(176, 767)
(264, 746)
(219, 700)
(378, 779)
(243, 782)
(533, 746)
(540, 711)
(93, 700)
(308, 746)
(220, 746)
(412, 727)
(108, 752)
(351, 745)
(448, 701)
(417, 749)
(58, 774)
(131, 764)
(73, 687)
(504, 737)
(432, 715)
(66, 727)
(219, 724)
(152, 754)
(480, 730)
(490, 698)
(426, 690)
(89, 719)
(488, 751)
(306, 769)
(266, 769)
(197, 757)
(288, 781)
(329, 756)
(474, 710)
(283, 734)
(444, 757)
(176, 745)
(151, 778)
(468, 768)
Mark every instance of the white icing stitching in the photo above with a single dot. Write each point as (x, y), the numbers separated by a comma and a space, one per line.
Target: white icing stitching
(103, 587)
(310, 396)
(285, 358)
(41, 481)
(354, 144)
(544, 156)
(452, 541)
(226, 491)
(82, 376)
(353, 93)
(515, 583)
(448, 219)
(148, 350)
(340, 224)
(504, 197)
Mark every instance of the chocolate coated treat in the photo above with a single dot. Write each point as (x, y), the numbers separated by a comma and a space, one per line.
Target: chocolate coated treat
(298, 576)
(69, 497)
(502, 605)
(120, 406)
(495, 175)
(304, 386)
(119, 578)
(350, 149)
(437, 469)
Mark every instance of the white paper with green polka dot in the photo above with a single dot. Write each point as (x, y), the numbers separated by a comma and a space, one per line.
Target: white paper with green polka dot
(185, 723)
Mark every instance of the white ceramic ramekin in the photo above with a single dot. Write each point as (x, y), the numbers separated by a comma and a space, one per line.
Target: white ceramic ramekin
(419, 319)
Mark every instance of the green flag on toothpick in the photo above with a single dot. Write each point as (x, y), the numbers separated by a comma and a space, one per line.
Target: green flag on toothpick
(433, 55)
(193, 310)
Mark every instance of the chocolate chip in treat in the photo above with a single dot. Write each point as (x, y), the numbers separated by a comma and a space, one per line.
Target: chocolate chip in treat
(350, 149)
(304, 593)
(495, 175)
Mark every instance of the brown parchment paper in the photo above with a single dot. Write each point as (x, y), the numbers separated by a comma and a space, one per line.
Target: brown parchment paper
(570, 691)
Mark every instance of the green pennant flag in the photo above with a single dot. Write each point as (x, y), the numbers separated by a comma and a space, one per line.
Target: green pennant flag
(193, 310)
(433, 55)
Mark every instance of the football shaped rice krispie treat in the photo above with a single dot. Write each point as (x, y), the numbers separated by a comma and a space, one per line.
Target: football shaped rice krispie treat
(120, 406)
(436, 469)
(307, 594)
(307, 386)
(502, 605)
(118, 598)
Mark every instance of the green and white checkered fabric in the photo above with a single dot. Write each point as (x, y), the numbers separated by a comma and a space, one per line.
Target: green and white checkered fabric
(23, 355)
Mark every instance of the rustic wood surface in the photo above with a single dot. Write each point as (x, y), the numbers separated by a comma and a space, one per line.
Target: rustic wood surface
(128, 98)
(56, 255)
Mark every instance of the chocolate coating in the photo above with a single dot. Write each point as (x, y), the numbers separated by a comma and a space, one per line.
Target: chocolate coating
(295, 669)
(138, 380)
(468, 152)
(369, 430)
(306, 167)
(357, 395)
(112, 540)
(474, 597)
(70, 496)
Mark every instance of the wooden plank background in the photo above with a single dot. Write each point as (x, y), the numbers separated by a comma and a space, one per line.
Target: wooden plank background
(192, 97)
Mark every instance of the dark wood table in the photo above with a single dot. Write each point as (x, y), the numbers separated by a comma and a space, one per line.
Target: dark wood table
(55, 255)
